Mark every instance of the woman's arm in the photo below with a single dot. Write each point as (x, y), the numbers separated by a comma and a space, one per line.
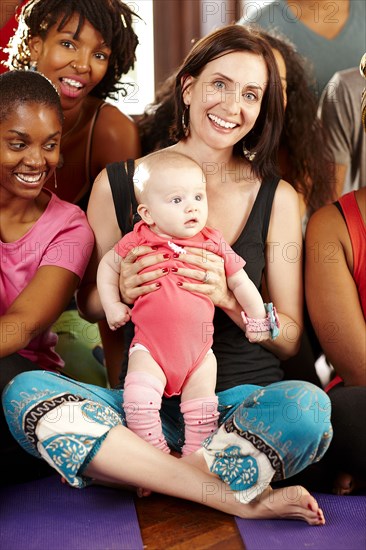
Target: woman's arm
(102, 219)
(283, 270)
(332, 296)
(36, 308)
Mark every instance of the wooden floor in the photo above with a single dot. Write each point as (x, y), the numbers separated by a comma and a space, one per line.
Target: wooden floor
(174, 524)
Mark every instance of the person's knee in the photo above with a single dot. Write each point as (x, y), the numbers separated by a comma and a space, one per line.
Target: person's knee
(21, 382)
(19, 388)
(317, 407)
(315, 420)
(306, 414)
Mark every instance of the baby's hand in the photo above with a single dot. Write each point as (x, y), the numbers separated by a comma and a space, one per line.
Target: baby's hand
(118, 314)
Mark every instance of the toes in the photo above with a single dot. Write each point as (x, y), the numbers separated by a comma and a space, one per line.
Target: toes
(321, 519)
(313, 505)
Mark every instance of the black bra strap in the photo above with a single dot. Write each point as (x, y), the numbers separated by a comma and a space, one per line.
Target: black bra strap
(130, 172)
(118, 181)
(337, 204)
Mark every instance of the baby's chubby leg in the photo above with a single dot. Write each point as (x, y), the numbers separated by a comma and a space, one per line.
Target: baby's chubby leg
(143, 390)
(199, 404)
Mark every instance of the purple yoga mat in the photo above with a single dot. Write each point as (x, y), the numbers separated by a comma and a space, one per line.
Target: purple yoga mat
(345, 528)
(46, 514)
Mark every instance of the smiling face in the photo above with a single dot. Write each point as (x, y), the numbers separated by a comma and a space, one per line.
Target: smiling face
(174, 201)
(74, 65)
(29, 149)
(225, 99)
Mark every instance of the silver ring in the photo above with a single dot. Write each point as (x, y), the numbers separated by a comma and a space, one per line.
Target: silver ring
(207, 276)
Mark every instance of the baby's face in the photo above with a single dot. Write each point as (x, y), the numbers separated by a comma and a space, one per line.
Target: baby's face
(177, 201)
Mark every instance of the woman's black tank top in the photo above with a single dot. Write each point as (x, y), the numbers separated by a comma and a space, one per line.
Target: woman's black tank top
(238, 361)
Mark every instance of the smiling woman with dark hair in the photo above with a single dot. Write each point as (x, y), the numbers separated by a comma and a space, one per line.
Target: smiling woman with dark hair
(83, 47)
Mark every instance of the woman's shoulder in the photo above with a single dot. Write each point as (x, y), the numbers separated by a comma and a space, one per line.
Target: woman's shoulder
(114, 114)
(111, 120)
(326, 222)
(62, 212)
(115, 136)
(285, 195)
(285, 218)
(101, 184)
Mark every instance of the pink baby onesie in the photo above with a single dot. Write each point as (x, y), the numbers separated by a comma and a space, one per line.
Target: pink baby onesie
(173, 324)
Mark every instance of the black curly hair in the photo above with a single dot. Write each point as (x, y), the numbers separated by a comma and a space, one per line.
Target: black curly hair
(19, 87)
(112, 18)
(309, 165)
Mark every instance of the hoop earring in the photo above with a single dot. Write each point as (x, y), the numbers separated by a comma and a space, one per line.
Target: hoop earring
(33, 66)
(249, 155)
(185, 125)
(55, 178)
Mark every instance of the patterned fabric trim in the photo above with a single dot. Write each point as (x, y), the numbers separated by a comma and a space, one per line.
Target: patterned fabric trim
(259, 444)
(39, 410)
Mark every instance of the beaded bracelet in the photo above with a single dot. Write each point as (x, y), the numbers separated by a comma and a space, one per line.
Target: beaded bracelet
(270, 323)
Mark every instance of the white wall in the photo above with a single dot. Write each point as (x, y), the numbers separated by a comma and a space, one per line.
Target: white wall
(251, 8)
(142, 89)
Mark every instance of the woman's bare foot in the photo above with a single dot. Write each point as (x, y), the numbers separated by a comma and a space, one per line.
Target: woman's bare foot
(288, 503)
(346, 484)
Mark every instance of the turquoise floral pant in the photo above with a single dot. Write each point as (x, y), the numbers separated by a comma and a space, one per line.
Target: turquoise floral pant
(266, 433)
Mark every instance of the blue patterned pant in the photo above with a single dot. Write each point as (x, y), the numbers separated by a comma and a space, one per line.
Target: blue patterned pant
(266, 433)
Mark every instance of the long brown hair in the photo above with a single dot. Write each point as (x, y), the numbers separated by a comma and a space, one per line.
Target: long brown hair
(308, 161)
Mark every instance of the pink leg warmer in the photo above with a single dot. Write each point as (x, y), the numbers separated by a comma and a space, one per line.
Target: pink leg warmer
(200, 419)
(142, 403)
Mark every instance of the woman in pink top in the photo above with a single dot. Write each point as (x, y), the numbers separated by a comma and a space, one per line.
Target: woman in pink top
(45, 243)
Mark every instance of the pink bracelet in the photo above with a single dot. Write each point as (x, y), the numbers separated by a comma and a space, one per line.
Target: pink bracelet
(270, 323)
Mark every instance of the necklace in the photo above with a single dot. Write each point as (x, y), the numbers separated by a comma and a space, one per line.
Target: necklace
(61, 161)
